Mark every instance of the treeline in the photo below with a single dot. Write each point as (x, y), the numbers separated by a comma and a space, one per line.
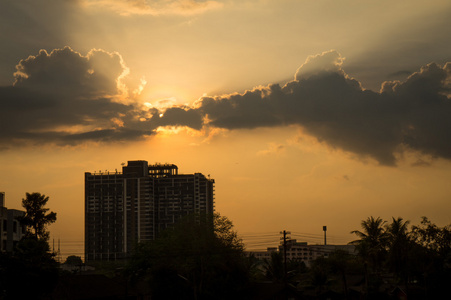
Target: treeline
(202, 257)
(195, 260)
(416, 259)
(392, 260)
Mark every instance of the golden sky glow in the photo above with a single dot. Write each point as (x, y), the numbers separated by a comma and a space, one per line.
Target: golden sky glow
(216, 87)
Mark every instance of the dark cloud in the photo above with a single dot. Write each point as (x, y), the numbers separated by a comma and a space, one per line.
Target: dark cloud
(64, 97)
(178, 116)
(333, 107)
(68, 98)
(402, 73)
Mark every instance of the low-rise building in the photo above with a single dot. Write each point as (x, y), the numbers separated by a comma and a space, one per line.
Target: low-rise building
(308, 253)
(301, 251)
(11, 231)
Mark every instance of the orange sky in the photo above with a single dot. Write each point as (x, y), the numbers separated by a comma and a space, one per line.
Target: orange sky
(314, 141)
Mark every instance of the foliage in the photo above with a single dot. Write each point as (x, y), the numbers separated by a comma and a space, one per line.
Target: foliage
(373, 241)
(420, 257)
(399, 242)
(320, 275)
(36, 217)
(73, 260)
(200, 257)
(274, 267)
(432, 237)
(31, 262)
(32, 265)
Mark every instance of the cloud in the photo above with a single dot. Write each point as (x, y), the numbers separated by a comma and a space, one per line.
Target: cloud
(336, 110)
(64, 71)
(272, 149)
(320, 64)
(156, 7)
(66, 98)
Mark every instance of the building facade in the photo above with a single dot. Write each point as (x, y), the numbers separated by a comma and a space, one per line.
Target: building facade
(11, 231)
(135, 205)
(301, 251)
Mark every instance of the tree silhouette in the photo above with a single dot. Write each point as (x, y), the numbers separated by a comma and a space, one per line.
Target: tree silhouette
(398, 246)
(373, 241)
(36, 217)
(31, 272)
(432, 258)
(274, 267)
(199, 258)
(372, 249)
(433, 238)
(74, 260)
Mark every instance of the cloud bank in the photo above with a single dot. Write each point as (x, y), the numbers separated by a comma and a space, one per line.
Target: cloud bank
(64, 97)
(156, 7)
(67, 98)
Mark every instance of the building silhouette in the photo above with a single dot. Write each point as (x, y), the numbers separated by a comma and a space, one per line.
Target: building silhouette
(11, 231)
(135, 205)
(302, 251)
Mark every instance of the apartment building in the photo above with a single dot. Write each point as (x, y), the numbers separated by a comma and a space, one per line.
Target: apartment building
(135, 205)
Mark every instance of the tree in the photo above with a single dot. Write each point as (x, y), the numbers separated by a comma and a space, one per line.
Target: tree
(31, 272)
(36, 216)
(274, 267)
(398, 247)
(433, 238)
(200, 257)
(371, 248)
(319, 276)
(373, 241)
(73, 260)
(340, 262)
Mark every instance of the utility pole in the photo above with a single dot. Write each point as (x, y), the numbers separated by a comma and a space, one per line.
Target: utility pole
(325, 229)
(284, 238)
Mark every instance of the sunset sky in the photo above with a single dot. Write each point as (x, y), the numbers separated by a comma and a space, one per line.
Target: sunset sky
(305, 112)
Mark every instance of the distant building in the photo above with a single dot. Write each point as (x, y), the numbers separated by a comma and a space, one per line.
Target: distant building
(123, 209)
(11, 231)
(262, 255)
(308, 253)
(301, 251)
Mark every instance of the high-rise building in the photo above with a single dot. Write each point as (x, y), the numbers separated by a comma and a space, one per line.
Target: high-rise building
(123, 209)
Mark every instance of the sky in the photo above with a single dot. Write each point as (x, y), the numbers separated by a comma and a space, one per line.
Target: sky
(306, 113)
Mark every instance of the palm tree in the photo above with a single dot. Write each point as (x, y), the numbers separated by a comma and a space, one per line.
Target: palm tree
(371, 245)
(373, 241)
(274, 267)
(398, 245)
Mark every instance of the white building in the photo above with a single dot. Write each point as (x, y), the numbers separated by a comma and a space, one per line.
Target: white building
(301, 251)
